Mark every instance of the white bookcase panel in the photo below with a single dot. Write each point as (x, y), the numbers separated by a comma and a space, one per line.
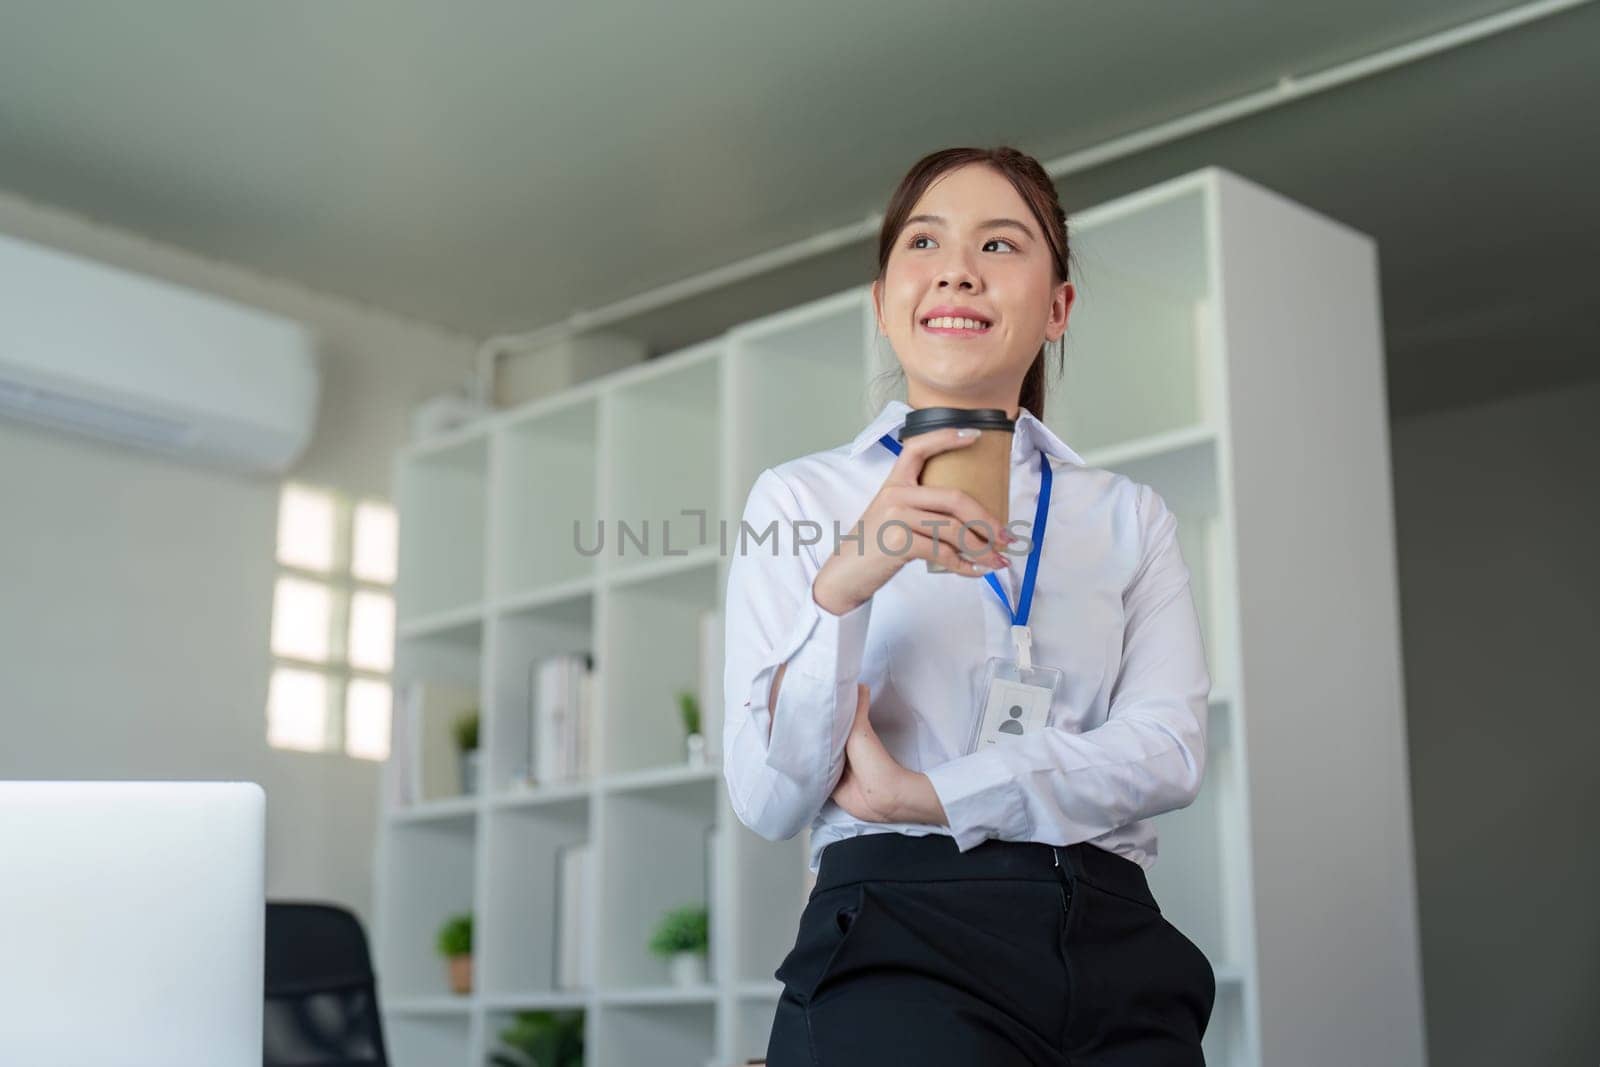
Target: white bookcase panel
(1191, 368)
(1134, 364)
(771, 896)
(633, 1034)
(427, 876)
(655, 857)
(649, 653)
(521, 902)
(427, 1040)
(545, 478)
(524, 637)
(798, 382)
(443, 493)
(665, 431)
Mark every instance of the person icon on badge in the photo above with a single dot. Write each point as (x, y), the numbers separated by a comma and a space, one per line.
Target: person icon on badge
(1011, 725)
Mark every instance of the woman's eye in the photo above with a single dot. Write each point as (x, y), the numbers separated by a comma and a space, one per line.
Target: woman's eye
(986, 244)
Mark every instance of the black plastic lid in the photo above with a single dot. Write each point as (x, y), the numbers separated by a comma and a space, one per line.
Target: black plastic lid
(924, 420)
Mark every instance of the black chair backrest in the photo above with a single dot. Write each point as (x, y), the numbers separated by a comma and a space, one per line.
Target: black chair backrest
(322, 997)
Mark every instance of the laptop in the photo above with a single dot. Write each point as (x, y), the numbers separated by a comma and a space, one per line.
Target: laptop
(131, 918)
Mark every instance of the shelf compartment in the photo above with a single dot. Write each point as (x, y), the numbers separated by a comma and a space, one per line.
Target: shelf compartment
(1225, 1041)
(650, 653)
(455, 810)
(773, 887)
(460, 626)
(1185, 476)
(426, 875)
(663, 431)
(503, 1017)
(675, 1035)
(545, 483)
(800, 368)
(445, 1005)
(656, 857)
(518, 797)
(1140, 328)
(427, 1040)
(523, 638)
(1194, 881)
(448, 663)
(668, 994)
(660, 778)
(752, 1025)
(523, 895)
(555, 1000)
(442, 507)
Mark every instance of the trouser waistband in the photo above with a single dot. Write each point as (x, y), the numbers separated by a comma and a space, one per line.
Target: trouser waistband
(890, 856)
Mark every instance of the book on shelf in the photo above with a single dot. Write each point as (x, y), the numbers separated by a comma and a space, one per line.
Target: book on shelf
(562, 711)
(573, 959)
(425, 764)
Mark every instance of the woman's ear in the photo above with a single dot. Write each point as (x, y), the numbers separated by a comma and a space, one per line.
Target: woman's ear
(1060, 309)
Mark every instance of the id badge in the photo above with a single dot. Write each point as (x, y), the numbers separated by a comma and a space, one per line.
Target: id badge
(1018, 702)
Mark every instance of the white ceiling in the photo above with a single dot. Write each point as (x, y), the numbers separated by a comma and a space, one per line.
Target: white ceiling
(493, 167)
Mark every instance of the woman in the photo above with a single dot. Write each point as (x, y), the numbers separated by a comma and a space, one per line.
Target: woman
(975, 904)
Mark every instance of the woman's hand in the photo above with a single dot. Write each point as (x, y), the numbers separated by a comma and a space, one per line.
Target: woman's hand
(874, 786)
(932, 521)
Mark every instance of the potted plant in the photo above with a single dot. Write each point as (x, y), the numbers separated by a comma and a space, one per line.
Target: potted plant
(542, 1039)
(683, 937)
(466, 731)
(694, 740)
(455, 945)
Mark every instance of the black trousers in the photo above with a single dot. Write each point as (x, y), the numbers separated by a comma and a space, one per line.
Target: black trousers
(1013, 953)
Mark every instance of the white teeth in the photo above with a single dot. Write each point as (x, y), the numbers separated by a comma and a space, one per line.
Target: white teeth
(949, 323)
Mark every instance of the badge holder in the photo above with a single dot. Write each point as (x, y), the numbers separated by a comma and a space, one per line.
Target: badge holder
(1019, 697)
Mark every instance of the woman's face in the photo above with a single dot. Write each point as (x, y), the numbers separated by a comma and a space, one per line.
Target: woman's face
(962, 258)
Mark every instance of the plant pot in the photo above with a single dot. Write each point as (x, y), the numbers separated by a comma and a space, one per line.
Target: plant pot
(461, 974)
(470, 763)
(687, 968)
(695, 748)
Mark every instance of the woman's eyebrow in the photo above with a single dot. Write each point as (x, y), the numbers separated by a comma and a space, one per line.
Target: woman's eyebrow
(987, 224)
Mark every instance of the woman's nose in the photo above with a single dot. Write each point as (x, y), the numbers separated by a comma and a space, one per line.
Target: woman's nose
(959, 277)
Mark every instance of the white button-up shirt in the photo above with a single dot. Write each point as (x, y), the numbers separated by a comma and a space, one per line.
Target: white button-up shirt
(1112, 609)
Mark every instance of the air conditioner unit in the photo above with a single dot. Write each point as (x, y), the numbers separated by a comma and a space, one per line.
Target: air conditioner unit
(138, 361)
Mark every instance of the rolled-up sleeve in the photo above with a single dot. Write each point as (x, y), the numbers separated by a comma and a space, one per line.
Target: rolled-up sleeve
(1148, 757)
(782, 764)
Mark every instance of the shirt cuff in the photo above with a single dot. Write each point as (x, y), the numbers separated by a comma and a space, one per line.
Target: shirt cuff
(981, 798)
(817, 700)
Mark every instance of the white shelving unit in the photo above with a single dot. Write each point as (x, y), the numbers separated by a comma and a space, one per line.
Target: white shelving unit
(1225, 350)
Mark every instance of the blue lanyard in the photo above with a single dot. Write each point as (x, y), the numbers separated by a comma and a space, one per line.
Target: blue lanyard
(1019, 617)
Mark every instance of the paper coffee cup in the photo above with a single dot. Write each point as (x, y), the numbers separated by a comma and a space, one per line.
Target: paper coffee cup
(982, 469)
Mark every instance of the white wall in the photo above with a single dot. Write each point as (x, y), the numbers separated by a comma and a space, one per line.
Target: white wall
(1498, 520)
(136, 593)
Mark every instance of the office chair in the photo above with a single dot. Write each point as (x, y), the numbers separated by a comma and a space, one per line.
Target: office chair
(322, 997)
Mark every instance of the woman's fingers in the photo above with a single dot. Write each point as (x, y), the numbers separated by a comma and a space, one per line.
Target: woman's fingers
(915, 451)
(917, 533)
(951, 515)
(946, 556)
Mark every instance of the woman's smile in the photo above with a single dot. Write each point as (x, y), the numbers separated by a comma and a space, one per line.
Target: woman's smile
(956, 322)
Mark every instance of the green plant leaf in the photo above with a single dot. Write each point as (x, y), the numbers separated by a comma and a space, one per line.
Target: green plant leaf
(685, 929)
(689, 711)
(466, 730)
(455, 936)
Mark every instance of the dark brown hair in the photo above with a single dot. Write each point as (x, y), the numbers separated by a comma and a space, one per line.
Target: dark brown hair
(1036, 189)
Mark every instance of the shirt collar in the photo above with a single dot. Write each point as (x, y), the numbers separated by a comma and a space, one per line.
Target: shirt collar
(1032, 435)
